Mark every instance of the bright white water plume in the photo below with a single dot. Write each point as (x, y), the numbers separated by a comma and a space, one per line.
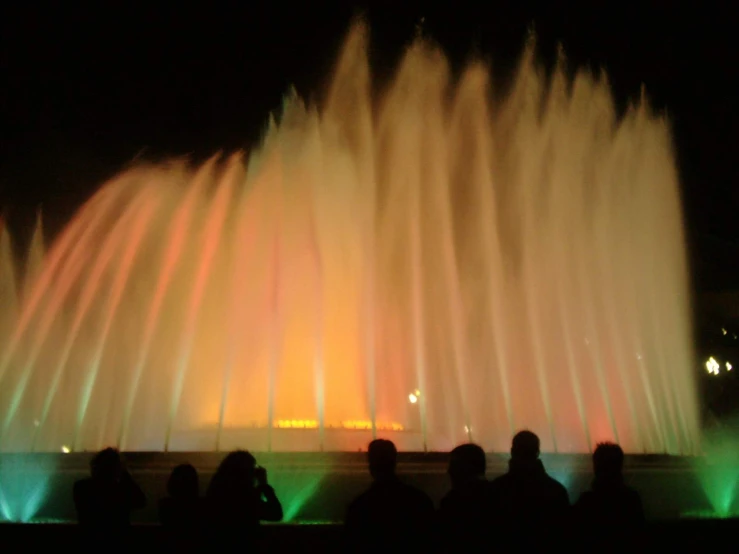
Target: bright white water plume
(440, 264)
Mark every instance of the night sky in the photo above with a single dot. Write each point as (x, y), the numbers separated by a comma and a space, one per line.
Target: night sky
(86, 90)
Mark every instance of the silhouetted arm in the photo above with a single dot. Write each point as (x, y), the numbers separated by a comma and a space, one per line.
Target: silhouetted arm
(352, 538)
(427, 524)
(350, 519)
(270, 508)
(639, 519)
(165, 512)
(134, 495)
(443, 514)
(80, 502)
(580, 508)
(563, 501)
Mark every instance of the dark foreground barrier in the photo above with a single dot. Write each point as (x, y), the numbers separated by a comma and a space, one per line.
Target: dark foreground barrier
(60, 537)
(684, 535)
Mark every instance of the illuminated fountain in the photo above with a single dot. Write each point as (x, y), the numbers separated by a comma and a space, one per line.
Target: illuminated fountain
(437, 265)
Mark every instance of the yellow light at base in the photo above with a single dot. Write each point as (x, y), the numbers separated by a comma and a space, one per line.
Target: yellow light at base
(348, 424)
(412, 398)
(368, 425)
(729, 367)
(296, 424)
(66, 449)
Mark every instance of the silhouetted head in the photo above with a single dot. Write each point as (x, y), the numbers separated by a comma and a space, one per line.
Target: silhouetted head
(238, 465)
(525, 447)
(382, 456)
(466, 463)
(608, 460)
(107, 465)
(234, 475)
(183, 482)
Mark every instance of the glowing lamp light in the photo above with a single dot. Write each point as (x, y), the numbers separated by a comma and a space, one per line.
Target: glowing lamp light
(66, 449)
(729, 367)
(712, 366)
(412, 398)
(723, 331)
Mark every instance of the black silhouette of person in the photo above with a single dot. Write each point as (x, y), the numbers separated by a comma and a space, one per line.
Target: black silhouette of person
(181, 512)
(467, 511)
(531, 507)
(237, 500)
(390, 515)
(610, 508)
(105, 500)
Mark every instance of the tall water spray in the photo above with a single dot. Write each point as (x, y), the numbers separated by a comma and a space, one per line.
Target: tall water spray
(438, 264)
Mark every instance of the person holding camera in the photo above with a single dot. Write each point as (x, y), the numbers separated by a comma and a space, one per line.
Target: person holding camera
(238, 499)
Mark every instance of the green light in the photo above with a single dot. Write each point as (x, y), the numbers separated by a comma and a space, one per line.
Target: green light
(301, 496)
(24, 484)
(719, 484)
(5, 512)
(295, 489)
(708, 514)
(314, 522)
(719, 472)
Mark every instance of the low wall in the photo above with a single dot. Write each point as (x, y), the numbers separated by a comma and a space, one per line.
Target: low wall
(677, 536)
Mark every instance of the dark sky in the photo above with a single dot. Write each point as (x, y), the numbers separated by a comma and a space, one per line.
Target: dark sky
(85, 89)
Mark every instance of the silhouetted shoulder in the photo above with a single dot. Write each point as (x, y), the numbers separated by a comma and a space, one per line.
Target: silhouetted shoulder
(181, 512)
(587, 499)
(499, 482)
(82, 491)
(613, 506)
(473, 496)
(359, 505)
(625, 494)
(419, 497)
(82, 485)
(543, 483)
(559, 492)
(393, 502)
(389, 515)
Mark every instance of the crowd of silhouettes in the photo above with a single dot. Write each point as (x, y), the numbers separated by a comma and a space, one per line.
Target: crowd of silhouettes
(238, 497)
(524, 510)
